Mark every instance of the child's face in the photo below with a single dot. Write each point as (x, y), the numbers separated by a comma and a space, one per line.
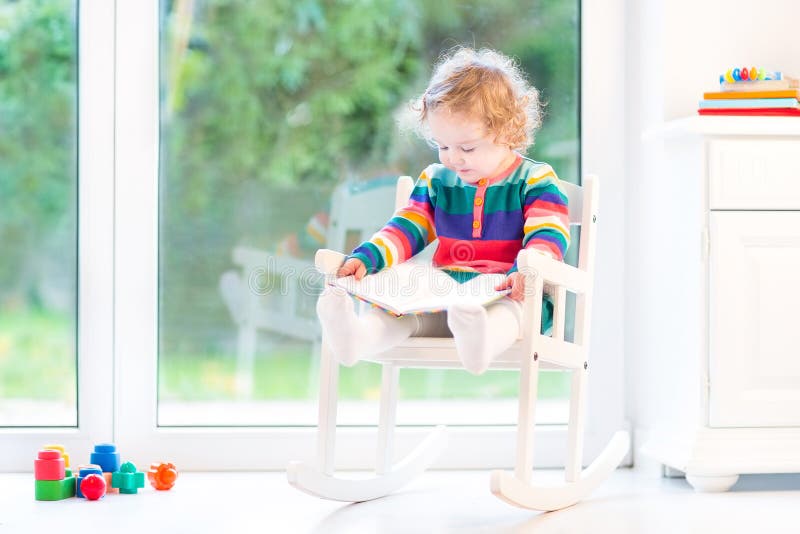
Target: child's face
(466, 147)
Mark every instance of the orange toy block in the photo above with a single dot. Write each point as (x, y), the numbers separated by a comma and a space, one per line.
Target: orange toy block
(109, 488)
(162, 475)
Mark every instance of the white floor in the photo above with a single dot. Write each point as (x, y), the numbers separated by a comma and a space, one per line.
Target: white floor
(632, 501)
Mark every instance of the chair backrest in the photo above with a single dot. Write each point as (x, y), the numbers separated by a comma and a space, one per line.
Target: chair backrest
(358, 210)
(583, 205)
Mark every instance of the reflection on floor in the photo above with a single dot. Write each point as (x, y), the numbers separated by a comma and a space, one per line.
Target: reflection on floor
(632, 501)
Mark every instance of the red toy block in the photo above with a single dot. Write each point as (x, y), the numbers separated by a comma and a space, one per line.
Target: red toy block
(49, 465)
(93, 487)
(82, 472)
(59, 448)
(162, 475)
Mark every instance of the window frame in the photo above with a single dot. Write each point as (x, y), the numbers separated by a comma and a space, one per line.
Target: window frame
(95, 341)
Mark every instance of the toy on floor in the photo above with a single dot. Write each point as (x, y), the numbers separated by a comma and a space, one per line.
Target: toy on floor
(107, 457)
(53, 481)
(59, 448)
(83, 472)
(93, 486)
(128, 479)
(162, 475)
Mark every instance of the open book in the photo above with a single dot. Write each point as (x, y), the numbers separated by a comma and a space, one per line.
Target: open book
(413, 288)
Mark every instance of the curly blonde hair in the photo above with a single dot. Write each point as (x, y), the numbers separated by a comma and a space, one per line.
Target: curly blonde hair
(485, 85)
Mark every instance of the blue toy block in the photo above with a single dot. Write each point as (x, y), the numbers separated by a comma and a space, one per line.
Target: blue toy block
(106, 456)
(83, 473)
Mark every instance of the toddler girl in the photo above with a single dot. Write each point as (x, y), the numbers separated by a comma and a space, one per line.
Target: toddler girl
(484, 202)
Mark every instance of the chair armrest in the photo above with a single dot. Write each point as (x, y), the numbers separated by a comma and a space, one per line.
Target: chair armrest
(554, 272)
(328, 261)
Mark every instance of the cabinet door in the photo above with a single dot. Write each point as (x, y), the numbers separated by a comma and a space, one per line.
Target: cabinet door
(754, 319)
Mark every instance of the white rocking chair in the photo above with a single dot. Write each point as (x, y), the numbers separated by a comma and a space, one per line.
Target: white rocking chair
(532, 351)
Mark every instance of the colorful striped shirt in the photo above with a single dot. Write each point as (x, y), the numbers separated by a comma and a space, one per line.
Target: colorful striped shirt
(480, 227)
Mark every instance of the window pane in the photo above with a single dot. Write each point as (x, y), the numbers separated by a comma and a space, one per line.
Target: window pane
(38, 213)
(273, 114)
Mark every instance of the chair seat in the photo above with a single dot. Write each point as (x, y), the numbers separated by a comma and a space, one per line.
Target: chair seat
(440, 352)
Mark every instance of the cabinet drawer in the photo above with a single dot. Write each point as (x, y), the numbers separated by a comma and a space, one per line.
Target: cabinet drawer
(746, 174)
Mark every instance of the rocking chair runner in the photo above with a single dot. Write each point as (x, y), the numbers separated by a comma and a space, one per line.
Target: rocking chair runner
(530, 353)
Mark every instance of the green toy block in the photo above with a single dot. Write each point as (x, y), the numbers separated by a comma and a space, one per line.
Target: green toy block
(127, 479)
(55, 490)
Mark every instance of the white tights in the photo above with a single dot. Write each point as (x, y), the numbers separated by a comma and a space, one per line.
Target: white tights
(480, 334)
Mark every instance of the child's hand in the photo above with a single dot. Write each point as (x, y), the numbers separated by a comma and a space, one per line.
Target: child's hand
(352, 266)
(516, 282)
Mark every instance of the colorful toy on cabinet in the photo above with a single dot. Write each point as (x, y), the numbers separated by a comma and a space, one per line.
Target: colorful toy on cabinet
(753, 91)
(752, 74)
(162, 475)
(53, 481)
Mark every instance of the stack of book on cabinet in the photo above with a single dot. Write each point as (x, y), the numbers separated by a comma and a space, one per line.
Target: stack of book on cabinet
(759, 93)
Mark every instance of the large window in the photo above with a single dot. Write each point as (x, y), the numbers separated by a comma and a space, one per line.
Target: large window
(165, 173)
(270, 111)
(38, 213)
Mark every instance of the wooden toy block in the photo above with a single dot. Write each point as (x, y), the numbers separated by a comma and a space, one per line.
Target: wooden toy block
(54, 490)
(49, 465)
(106, 456)
(128, 479)
(59, 448)
(162, 475)
(85, 471)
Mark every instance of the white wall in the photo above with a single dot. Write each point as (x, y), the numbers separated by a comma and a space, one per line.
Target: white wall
(703, 38)
(674, 51)
(602, 130)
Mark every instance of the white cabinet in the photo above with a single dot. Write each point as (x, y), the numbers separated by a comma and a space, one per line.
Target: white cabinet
(721, 334)
(754, 319)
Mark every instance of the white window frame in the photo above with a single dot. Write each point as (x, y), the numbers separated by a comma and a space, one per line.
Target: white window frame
(118, 269)
(95, 374)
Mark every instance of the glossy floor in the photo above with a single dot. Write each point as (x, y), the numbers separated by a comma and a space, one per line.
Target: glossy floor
(632, 501)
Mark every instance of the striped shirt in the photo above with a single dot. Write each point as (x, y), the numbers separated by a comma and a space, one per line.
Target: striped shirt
(480, 227)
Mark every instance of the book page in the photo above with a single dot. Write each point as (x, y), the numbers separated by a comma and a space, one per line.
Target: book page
(398, 287)
(479, 290)
(413, 287)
